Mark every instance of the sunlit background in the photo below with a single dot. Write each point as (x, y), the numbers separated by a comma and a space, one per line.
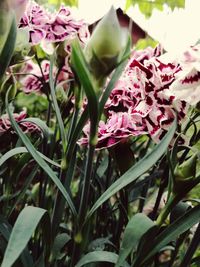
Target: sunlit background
(175, 30)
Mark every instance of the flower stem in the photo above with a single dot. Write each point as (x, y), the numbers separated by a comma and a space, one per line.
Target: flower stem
(172, 201)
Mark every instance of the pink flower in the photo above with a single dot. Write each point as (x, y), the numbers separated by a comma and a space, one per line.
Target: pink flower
(35, 80)
(141, 102)
(27, 127)
(187, 80)
(52, 27)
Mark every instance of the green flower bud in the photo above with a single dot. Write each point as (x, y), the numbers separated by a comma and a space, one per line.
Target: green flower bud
(184, 175)
(106, 45)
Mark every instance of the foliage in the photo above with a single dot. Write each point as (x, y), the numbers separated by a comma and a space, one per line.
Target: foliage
(147, 6)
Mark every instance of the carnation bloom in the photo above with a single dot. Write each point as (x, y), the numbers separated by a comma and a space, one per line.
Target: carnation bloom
(187, 83)
(51, 27)
(35, 79)
(27, 127)
(141, 102)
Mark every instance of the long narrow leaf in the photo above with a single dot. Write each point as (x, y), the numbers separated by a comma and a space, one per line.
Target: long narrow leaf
(22, 231)
(80, 66)
(19, 150)
(138, 169)
(39, 159)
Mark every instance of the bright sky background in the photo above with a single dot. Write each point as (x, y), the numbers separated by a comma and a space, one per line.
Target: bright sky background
(175, 31)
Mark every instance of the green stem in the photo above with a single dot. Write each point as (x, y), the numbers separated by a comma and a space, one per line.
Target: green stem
(172, 201)
(86, 184)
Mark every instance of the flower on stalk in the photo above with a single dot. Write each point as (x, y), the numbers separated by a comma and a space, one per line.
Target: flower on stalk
(105, 47)
(187, 83)
(141, 102)
(27, 127)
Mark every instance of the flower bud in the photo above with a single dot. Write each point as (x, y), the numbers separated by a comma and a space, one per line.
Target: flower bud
(106, 45)
(184, 175)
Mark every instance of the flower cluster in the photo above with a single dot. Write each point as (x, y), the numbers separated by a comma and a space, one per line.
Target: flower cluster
(52, 27)
(37, 77)
(27, 127)
(141, 102)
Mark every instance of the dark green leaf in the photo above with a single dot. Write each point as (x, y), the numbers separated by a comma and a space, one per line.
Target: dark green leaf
(137, 170)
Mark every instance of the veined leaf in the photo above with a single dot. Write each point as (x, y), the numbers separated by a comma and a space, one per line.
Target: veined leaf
(137, 170)
(22, 231)
(99, 256)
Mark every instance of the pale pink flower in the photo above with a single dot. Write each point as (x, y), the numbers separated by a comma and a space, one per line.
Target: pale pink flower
(141, 102)
(187, 80)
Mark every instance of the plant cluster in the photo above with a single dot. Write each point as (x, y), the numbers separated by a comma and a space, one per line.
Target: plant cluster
(99, 145)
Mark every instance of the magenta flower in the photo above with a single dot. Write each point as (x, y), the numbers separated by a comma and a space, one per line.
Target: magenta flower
(141, 102)
(27, 127)
(35, 79)
(52, 27)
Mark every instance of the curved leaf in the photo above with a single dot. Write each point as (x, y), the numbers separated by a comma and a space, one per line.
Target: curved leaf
(19, 150)
(41, 124)
(137, 170)
(22, 231)
(135, 229)
(99, 256)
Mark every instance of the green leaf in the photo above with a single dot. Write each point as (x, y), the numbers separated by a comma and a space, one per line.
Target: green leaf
(171, 232)
(134, 230)
(8, 49)
(60, 241)
(137, 170)
(99, 256)
(80, 66)
(22, 231)
(5, 230)
(19, 150)
(34, 153)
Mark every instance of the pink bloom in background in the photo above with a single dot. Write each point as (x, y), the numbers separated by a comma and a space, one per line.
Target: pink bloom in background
(187, 84)
(27, 127)
(52, 27)
(35, 79)
(141, 102)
